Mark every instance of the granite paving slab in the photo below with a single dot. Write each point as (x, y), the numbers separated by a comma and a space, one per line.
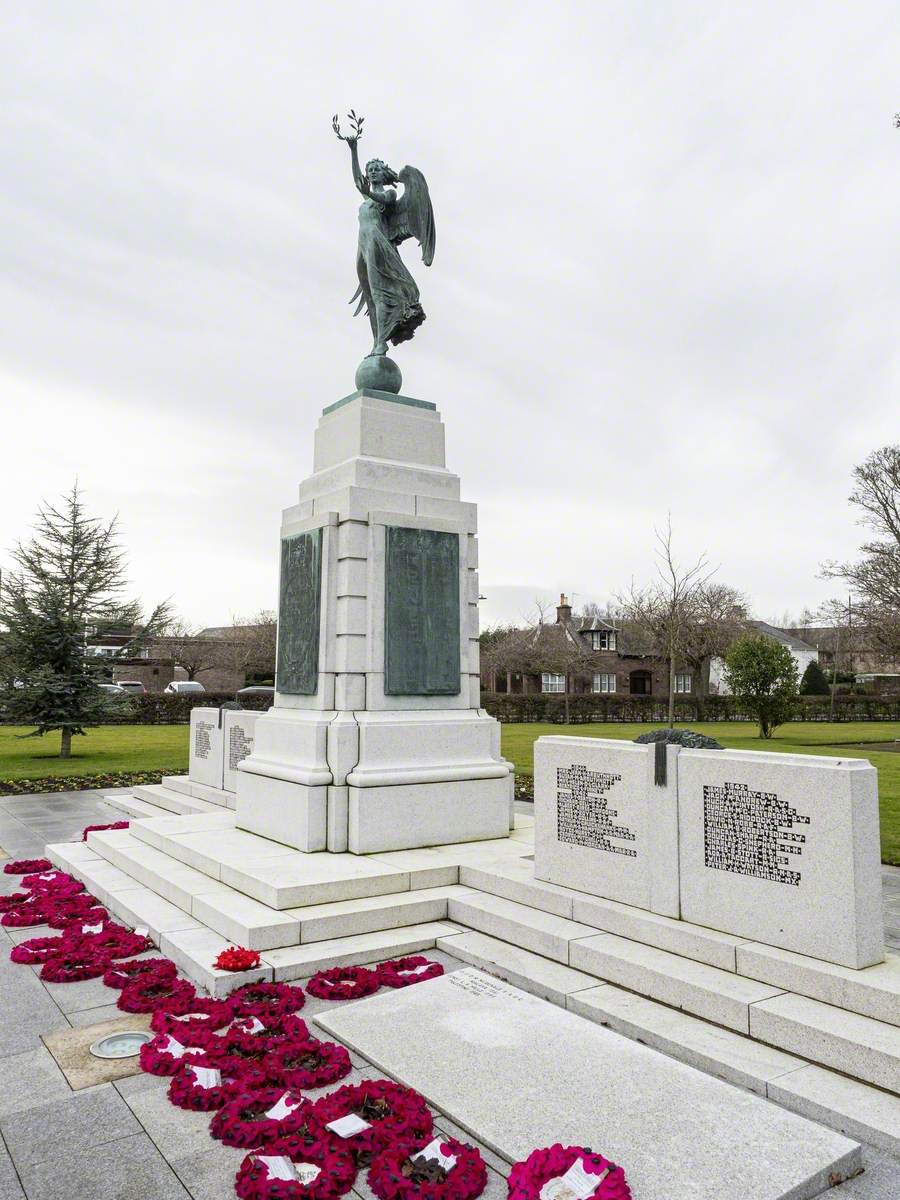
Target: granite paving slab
(62, 1128)
(130, 1168)
(10, 1187)
(30, 1080)
(519, 1072)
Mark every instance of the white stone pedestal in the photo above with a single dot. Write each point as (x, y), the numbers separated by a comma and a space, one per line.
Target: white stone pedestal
(376, 740)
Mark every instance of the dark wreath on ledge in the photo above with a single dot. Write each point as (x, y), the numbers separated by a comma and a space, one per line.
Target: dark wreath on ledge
(337, 1173)
(397, 1175)
(396, 1116)
(343, 983)
(527, 1178)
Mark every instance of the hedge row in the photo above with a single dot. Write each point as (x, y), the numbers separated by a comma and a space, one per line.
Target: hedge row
(551, 709)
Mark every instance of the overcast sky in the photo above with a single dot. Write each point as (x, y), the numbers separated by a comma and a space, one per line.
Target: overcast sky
(666, 276)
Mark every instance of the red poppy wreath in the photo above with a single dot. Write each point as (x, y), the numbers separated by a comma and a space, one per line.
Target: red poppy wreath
(39, 949)
(201, 1087)
(391, 1114)
(75, 963)
(344, 983)
(120, 974)
(266, 1000)
(458, 1174)
(142, 996)
(309, 1064)
(53, 883)
(165, 1055)
(258, 1118)
(24, 866)
(526, 1179)
(295, 1171)
(101, 828)
(23, 916)
(196, 1027)
(401, 972)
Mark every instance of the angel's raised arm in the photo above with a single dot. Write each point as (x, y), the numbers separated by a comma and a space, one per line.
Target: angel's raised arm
(359, 178)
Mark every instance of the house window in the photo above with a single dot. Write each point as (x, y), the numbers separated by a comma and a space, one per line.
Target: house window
(603, 639)
(640, 683)
(551, 682)
(684, 682)
(604, 682)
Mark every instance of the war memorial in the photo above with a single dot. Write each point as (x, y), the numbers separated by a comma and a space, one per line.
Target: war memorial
(677, 963)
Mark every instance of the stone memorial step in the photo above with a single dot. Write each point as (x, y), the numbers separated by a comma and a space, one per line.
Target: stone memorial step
(517, 1072)
(131, 806)
(176, 802)
(709, 992)
(298, 962)
(371, 914)
(530, 928)
(531, 972)
(221, 797)
(857, 1046)
(515, 880)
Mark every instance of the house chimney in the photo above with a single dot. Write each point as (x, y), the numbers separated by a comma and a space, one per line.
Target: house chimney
(563, 610)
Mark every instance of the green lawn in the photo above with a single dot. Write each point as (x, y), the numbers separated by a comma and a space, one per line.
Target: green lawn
(799, 737)
(105, 749)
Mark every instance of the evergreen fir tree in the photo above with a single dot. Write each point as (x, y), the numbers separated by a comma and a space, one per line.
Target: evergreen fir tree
(68, 580)
(814, 682)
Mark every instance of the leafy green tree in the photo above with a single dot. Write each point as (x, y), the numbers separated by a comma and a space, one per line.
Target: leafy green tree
(762, 674)
(814, 682)
(67, 585)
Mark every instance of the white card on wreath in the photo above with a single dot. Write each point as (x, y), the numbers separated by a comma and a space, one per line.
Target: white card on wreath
(191, 1016)
(349, 1126)
(434, 1153)
(207, 1077)
(92, 928)
(279, 1166)
(282, 1107)
(576, 1184)
(142, 931)
(173, 1046)
(307, 1173)
(415, 970)
(252, 1025)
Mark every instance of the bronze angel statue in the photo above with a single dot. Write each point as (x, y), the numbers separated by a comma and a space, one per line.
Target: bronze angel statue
(386, 289)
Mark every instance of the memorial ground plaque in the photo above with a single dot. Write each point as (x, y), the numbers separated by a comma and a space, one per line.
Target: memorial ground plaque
(421, 612)
(299, 605)
(783, 849)
(602, 825)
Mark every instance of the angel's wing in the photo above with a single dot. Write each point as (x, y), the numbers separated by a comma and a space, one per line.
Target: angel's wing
(412, 215)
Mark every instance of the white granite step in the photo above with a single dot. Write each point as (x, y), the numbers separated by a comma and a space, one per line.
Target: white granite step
(857, 1046)
(515, 880)
(709, 992)
(298, 962)
(124, 802)
(529, 928)
(370, 914)
(531, 972)
(871, 992)
(852, 1108)
(151, 868)
(172, 801)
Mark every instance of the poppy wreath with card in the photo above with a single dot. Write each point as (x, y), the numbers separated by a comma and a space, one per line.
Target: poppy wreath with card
(39, 949)
(344, 983)
(526, 1179)
(242, 1121)
(395, 1115)
(165, 1055)
(337, 1173)
(197, 1026)
(73, 910)
(272, 1031)
(396, 1174)
(15, 900)
(119, 942)
(37, 911)
(401, 972)
(101, 828)
(120, 974)
(148, 995)
(236, 1052)
(53, 883)
(309, 1064)
(186, 1090)
(26, 866)
(74, 963)
(266, 1000)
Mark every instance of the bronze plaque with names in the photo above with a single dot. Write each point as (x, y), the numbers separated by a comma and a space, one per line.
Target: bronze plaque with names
(421, 612)
(298, 614)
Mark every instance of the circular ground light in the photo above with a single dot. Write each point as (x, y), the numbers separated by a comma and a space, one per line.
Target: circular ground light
(121, 1045)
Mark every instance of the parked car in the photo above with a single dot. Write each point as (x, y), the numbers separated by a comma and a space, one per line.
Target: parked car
(133, 687)
(258, 689)
(183, 687)
(113, 689)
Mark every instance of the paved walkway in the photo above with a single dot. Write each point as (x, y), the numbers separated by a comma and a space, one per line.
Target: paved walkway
(125, 1141)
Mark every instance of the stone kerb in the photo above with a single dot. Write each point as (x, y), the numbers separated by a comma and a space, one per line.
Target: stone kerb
(206, 747)
(602, 825)
(783, 849)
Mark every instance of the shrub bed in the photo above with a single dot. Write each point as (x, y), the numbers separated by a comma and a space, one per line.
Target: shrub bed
(584, 709)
